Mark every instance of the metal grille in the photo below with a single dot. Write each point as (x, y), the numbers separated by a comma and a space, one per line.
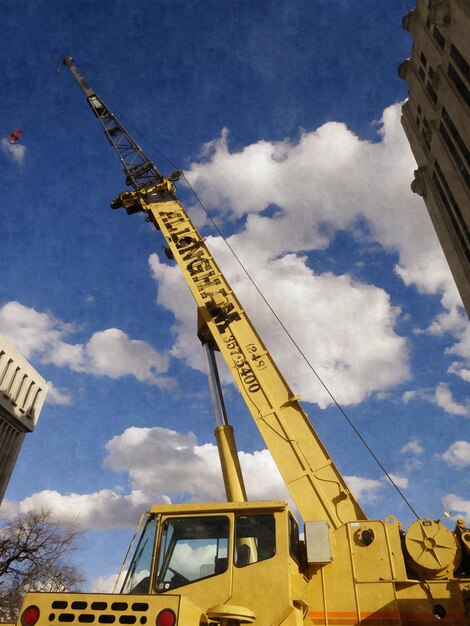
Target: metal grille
(98, 612)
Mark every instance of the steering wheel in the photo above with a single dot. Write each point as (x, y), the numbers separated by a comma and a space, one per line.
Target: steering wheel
(177, 577)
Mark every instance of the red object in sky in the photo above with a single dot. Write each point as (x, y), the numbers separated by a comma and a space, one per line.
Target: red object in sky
(15, 135)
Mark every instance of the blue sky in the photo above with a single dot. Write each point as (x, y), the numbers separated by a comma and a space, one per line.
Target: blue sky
(286, 120)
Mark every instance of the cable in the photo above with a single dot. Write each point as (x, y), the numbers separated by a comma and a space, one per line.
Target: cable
(317, 375)
(37, 101)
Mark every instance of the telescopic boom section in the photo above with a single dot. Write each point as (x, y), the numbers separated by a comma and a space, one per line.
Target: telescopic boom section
(314, 482)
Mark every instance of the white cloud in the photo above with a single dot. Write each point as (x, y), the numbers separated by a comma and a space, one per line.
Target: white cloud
(56, 396)
(400, 481)
(460, 370)
(412, 451)
(164, 466)
(441, 396)
(108, 352)
(345, 328)
(364, 489)
(105, 584)
(325, 181)
(98, 510)
(414, 394)
(444, 399)
(328, 177)
(15, 152)
(457, 506)
(330, 180)
(112, 353)
(461, 349)
(165, 463)
(31, 332)
(412, 447)
(458, 454)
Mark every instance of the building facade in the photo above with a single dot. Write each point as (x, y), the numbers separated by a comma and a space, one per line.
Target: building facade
(22, 394)
(436, 120)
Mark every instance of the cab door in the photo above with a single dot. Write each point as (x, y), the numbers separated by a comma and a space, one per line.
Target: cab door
(263, 568)
(194, 558)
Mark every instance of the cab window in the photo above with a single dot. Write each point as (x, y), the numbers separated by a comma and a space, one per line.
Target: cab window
(255, 539)
(191, 548)
(294, 543)
(138, 575)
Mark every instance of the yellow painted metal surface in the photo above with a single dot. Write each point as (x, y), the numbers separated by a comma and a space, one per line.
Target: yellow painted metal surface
(317, 488)
(89, 608)
(377, 576)
(374, 574)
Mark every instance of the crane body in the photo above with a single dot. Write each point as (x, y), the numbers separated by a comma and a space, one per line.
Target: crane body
(242, 562)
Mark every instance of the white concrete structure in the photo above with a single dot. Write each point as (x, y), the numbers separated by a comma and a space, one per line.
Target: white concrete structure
(22, 394)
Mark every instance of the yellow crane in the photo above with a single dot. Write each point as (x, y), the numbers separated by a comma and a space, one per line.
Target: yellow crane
(242, 562)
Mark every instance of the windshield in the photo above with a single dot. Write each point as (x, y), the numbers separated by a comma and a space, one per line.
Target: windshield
(138, 576)
(192, 548)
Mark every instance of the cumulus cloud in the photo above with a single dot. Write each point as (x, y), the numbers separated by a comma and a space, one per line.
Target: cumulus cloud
(328, 180)
(444, 399)
(400, 481)
(164, 466)
(105, 584)
(458, 454)
(459, 507)
(164, 463)
(99, 510)
(15, 152)
(328, 177)
(325, 181)
(56, 396)
(365, 489)
(108, 352)
(441, 396)
(461, 349)
(412, 447)
(345, 328)
(32, 332)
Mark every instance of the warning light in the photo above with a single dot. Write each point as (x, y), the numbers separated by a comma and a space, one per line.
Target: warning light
(30, 616)
(166, 618)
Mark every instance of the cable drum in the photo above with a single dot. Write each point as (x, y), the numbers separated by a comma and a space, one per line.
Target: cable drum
(432, 549)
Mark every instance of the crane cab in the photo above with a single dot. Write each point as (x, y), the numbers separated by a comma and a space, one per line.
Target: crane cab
(239, 562)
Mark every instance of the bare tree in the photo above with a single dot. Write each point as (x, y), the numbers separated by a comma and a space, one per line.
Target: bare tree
(35, 553)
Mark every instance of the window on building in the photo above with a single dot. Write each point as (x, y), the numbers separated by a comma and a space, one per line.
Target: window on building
(423, 59)
(426, 133)
(461, 63)
(255, 539)
(456, 136)
(453, 210)
(431, 92)
(439, 37)
(455, 154)
(459, 83)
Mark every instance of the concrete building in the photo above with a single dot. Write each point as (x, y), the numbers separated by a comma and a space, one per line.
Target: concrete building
(436, 119)
(22, 394)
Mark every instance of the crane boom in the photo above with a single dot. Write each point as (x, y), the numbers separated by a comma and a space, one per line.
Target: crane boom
(314, 482)
(241, 562)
